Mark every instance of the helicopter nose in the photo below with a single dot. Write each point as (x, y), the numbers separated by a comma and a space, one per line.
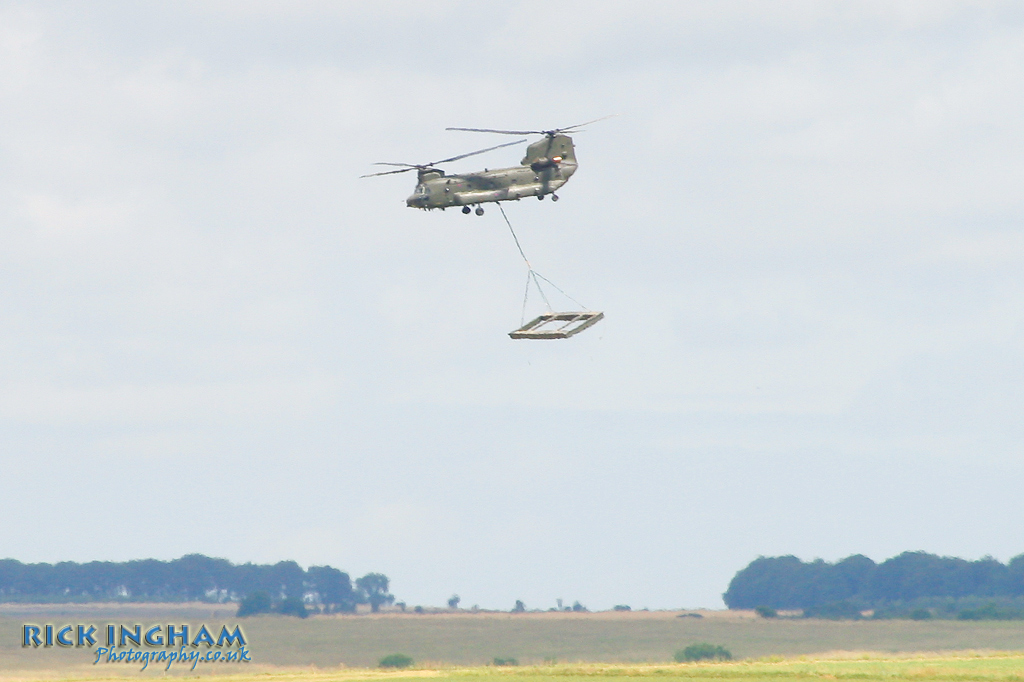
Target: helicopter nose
(417, 201)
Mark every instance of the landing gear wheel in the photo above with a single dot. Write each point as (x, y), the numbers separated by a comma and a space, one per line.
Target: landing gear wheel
(554, 197)
(466, 209)
(540, 197)
(479, 210)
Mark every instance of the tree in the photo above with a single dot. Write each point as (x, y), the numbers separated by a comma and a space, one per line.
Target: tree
(292, 606)
(334, 588)
(777, 582)
(255, 604)
(286, 579)
(853, 575)
(373, 589)
(786, 582)
(519, 607)
(453, 601)
(193, 577)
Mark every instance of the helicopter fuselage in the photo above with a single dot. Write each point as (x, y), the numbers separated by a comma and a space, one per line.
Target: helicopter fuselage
(547, 166)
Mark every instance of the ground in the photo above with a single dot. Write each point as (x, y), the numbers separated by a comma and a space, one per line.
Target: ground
(548, 645)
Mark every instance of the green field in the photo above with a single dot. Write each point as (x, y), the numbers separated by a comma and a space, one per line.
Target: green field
(959, 667)
(438, 641)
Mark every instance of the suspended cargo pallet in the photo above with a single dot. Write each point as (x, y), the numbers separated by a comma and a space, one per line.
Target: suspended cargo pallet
(556, 325)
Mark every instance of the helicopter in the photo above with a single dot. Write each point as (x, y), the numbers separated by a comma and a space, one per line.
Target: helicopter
(548, 164)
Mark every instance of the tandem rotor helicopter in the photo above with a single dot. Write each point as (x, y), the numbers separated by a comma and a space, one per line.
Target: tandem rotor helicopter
(548, 164)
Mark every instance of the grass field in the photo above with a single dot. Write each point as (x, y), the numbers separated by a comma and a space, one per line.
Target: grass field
(861, 667)
(634, 638)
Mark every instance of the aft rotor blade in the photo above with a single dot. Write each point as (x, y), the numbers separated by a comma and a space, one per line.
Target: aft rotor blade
(532, 132)
(400, 170)
(501, 132)
(580, 125)
(462, 156)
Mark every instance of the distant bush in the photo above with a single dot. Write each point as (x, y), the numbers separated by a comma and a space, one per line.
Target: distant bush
(292, 606)
(689, 615)
(766, 612)
(921, 614)
(840, 610)
(950, 608)
(396, 661)
(418, 609)
(254, 604)
(702, 651)
(453, 601)
(260, 602)
(576, 606)
(519, 607)
(987, 612)
(621, 607)
(971, 614)
(505, 661)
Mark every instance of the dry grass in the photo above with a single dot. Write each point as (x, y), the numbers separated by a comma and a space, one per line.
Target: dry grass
(634, 638)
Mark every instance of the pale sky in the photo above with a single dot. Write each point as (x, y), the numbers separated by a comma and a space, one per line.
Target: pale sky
(804, 228)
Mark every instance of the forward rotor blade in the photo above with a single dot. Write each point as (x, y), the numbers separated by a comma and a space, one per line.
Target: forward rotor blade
(489, 149)
(501, 132)
(403, 167)
(400, 170)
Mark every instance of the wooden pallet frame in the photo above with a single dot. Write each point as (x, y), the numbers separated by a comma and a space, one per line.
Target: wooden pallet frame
(574, 324)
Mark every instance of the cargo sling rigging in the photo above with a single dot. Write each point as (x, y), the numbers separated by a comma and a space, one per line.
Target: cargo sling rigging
(550, 325)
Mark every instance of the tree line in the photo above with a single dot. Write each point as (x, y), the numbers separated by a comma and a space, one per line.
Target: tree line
(856, 582)
(193, 577)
